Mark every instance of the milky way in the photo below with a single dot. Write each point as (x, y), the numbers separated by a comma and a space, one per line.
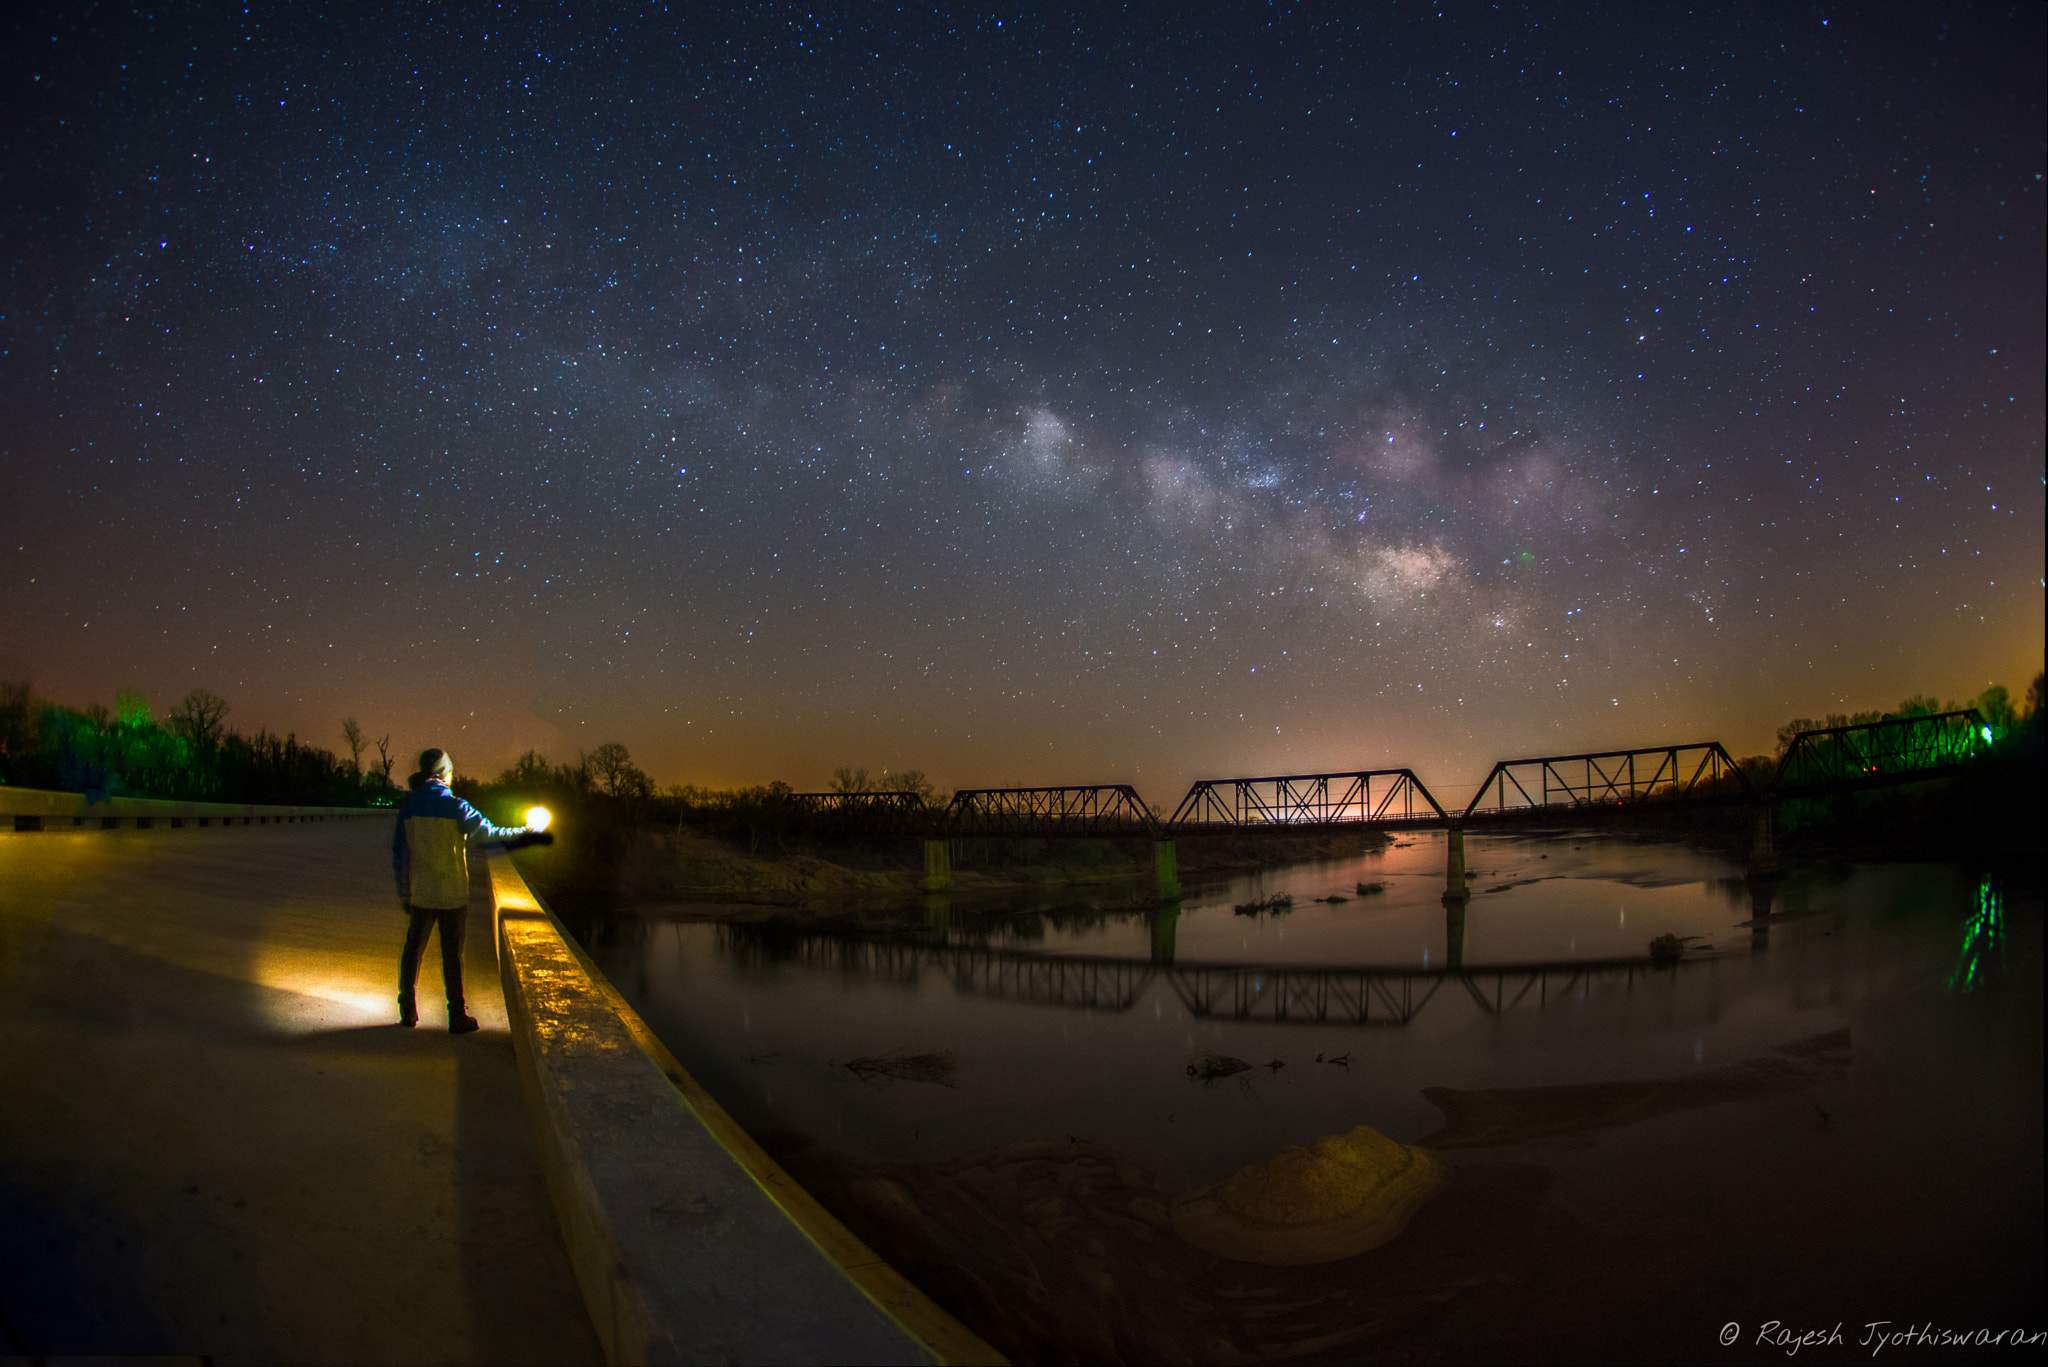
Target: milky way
(1036, 398)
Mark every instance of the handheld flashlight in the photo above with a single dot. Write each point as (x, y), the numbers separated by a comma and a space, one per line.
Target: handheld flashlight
(537, 818)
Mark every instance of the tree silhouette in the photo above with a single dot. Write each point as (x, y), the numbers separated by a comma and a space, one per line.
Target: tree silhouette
(910, 781)
(352, 736)
(198, 718)
(384, 757)
(19, 735)
(609, 763)
(531, 770)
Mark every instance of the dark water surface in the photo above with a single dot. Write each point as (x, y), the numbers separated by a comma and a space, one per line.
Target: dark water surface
(1896, 1179)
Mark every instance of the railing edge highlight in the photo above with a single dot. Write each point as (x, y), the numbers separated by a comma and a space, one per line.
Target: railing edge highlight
(35, 805)
(646, 1231)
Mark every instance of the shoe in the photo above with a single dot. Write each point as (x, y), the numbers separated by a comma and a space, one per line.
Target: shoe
(408, 1014)
(461, 1025)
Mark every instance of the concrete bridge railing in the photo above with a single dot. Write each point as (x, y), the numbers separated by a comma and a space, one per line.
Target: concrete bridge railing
(690, 1244)
(38, 809)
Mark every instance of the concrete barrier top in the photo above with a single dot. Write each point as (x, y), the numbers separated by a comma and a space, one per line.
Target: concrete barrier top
(689, 1242)
(42, 802)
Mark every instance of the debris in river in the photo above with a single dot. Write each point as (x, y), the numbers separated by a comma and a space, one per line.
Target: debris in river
(1667, 949)
(938, 1067)
(1342, 1060)
(1518, 1115)
(1333, 899)
(1277, 1064)
(1335, 1199)
(1212, 1065)
(1368, 889)
(1259, 906)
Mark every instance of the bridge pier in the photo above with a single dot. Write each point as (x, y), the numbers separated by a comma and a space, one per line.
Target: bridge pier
(1165, 921)
(1167, 862)
(1763, 891)
(938, 918)
(1454, 866)
(1454, 931)
(938, 865)
(1763, 849)
(1765, 873)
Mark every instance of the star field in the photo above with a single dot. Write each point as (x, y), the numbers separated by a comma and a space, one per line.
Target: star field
(1034, 397)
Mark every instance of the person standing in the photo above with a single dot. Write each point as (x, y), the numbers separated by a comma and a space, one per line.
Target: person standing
(430, 855)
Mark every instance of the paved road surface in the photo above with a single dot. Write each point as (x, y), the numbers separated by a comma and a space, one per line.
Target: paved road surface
(213, 1141)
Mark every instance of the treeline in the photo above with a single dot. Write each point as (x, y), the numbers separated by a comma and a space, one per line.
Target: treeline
(1995, 705)
(190, 754)
(2014, 726)
(1992, 811)
(605, 789)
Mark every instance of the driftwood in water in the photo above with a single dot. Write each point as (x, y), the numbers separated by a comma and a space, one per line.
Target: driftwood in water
(939, 1067)
(1212, 1065)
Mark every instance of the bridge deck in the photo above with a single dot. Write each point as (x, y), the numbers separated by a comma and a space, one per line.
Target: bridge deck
(214, 1140)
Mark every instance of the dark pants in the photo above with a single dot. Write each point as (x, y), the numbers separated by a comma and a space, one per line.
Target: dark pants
(454, 924)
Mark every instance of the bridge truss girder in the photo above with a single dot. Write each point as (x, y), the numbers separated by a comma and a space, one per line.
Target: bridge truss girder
(1874, 754)
(1365, 797)
(1105, 809)
(1609, 778)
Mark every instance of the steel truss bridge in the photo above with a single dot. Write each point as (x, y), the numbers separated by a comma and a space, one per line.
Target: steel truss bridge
(1817, 763)
(1103, 810)
(1374, 797)
(1274, 995)
(1609, 778)
(1902, 750)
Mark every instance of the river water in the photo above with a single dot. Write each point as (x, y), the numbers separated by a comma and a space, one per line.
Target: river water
(1895, 1175)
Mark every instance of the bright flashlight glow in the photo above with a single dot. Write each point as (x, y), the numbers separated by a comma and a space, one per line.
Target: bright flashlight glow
(537, 818)
(1987, 734)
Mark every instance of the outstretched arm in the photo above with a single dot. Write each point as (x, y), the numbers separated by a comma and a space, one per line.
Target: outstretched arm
(481, 831)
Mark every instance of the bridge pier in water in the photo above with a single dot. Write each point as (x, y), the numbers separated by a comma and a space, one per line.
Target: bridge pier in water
(1763, 848)
(938, 918)
(1454, 932)
(1762, 891)
(1454, 867)
(1166, 861)
(938, 865)
(1165, 922)
(1765, 873)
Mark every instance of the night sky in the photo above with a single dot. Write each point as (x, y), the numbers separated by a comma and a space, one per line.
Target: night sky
(1053, 397)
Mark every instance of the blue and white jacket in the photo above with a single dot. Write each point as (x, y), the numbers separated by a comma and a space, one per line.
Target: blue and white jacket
(430, 848)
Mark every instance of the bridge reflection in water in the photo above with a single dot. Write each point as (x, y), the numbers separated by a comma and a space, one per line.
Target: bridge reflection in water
(1276, 994)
